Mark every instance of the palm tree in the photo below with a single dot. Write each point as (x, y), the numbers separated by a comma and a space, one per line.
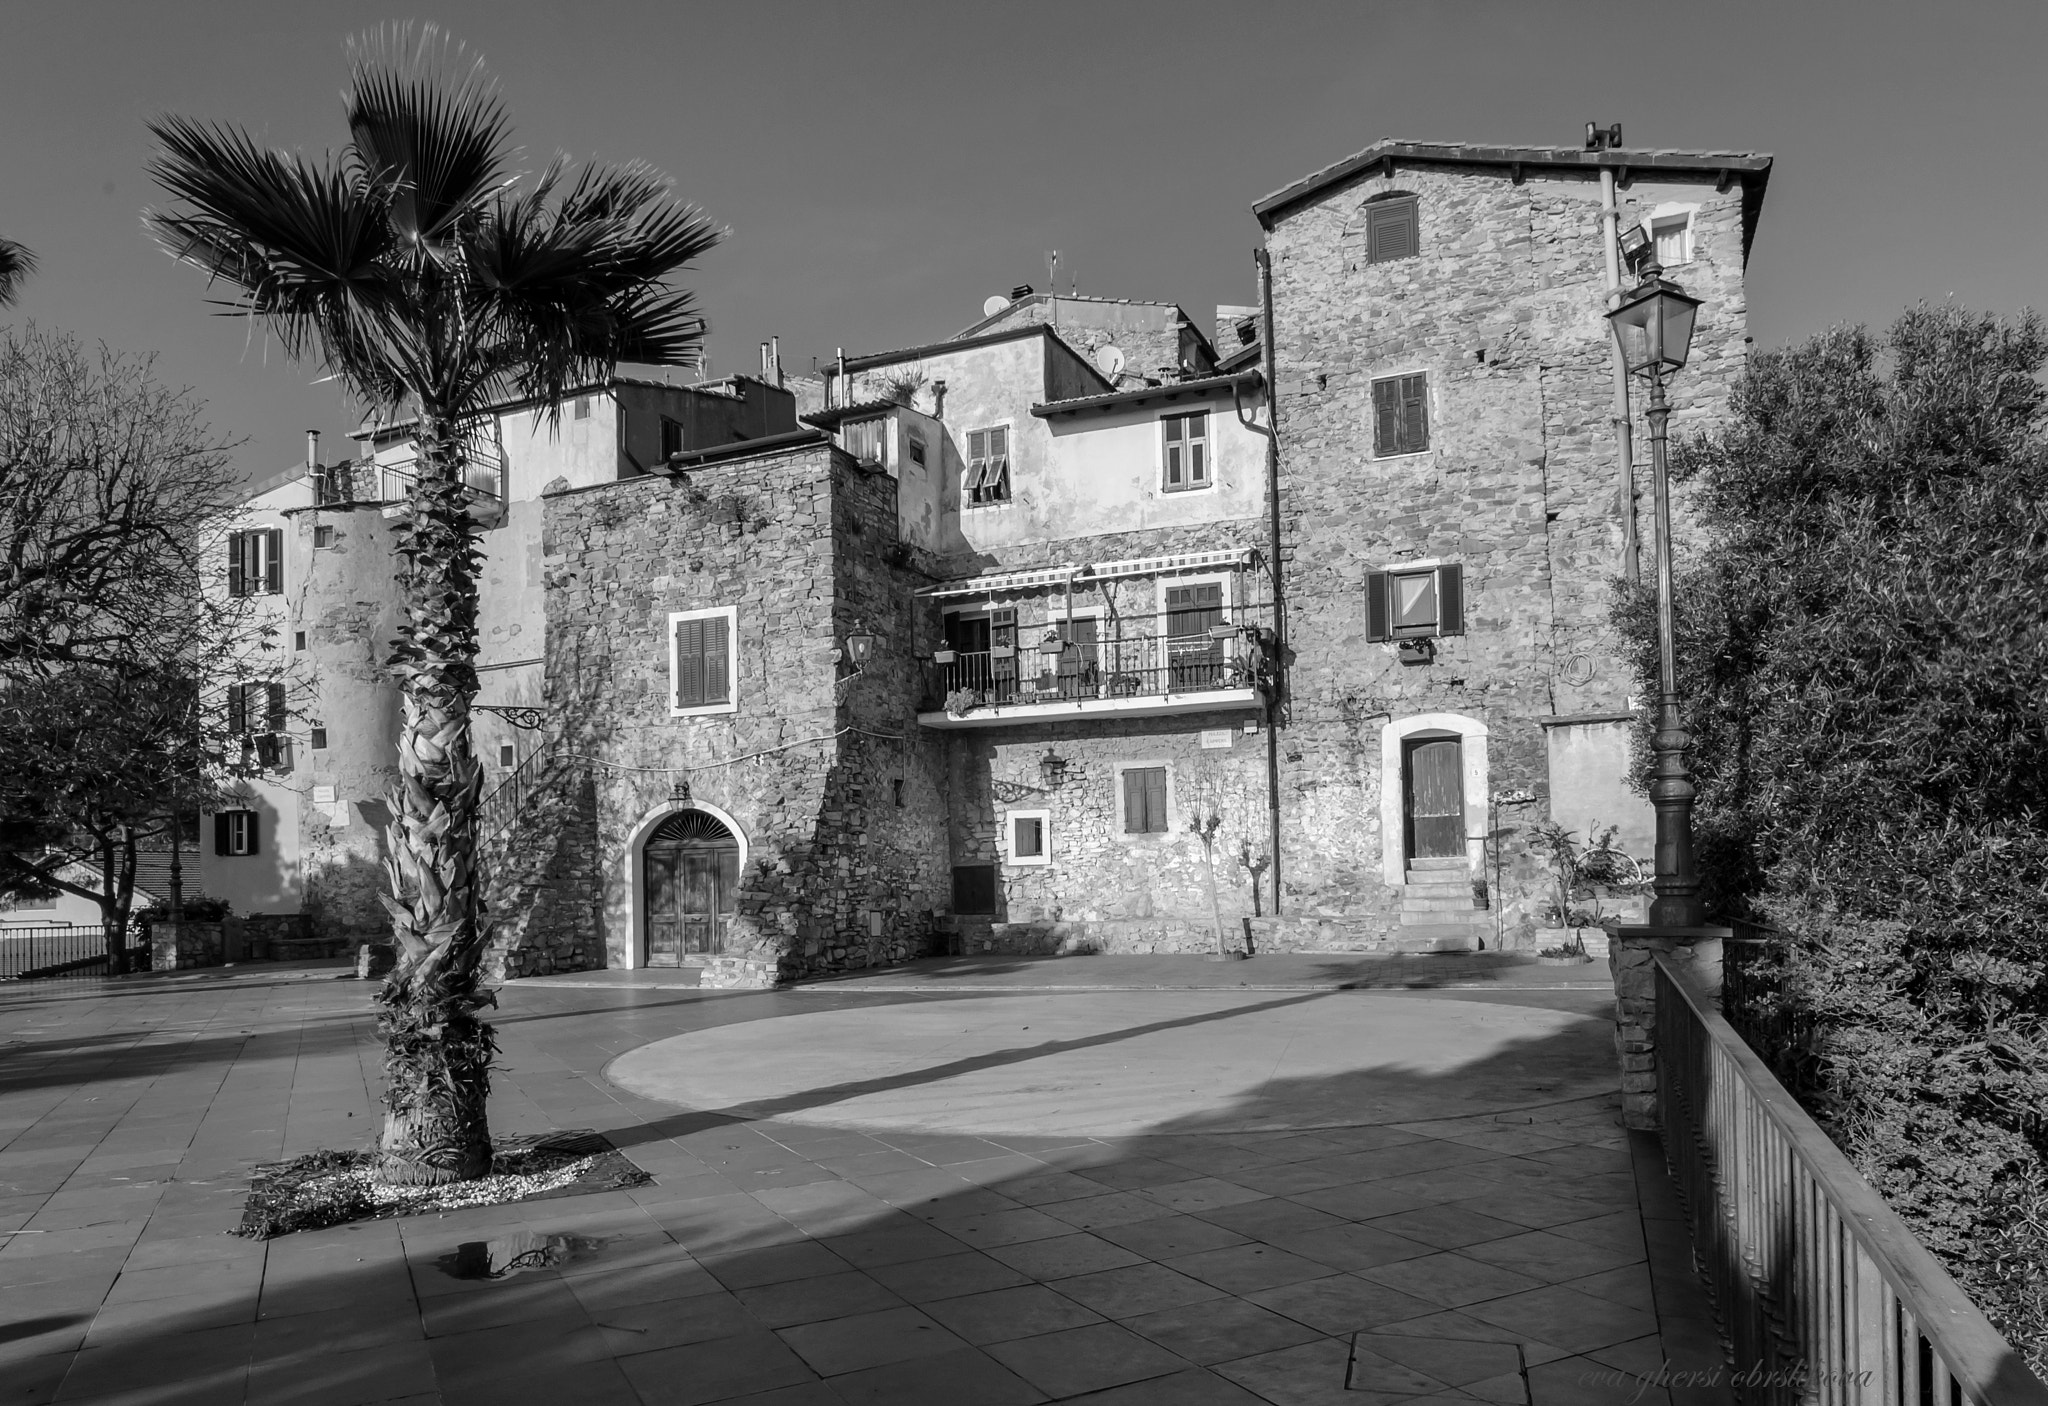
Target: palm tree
(16, 264)
(422, 271)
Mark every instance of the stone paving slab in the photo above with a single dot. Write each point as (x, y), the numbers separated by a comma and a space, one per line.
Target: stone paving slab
(1187, 1257)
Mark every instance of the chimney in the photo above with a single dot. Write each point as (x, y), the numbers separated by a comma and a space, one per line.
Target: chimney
(312, 451)
(764, 362)
(775, 359)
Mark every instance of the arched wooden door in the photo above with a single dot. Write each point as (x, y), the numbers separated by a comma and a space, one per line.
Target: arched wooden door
(1434, 787)
(692, 867)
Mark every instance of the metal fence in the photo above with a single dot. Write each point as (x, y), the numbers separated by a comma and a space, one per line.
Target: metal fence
(1202, 649)
(1823, 1293)
(57, 950)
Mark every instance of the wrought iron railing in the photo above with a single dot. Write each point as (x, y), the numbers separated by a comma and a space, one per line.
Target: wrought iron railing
(42, 951)
(1822, 1292)
(483, 473)
(497, 811)
(1054, 659)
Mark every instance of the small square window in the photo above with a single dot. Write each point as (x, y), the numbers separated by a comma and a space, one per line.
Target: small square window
(1416, 601)
(323, 537)
(974, 889)
(1400, 415)
(318, 741)
(1029, 836)
(1185, 451)
(701, 672)
(916, 447)
(1145, 800)
(234, 833)
(298, 639)
(987, 479)
(1672, 234)
(508, 755)
(1390, 230)
(671, 437)
(582, 410)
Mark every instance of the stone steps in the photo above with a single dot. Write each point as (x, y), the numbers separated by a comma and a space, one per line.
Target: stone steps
(1439, 937)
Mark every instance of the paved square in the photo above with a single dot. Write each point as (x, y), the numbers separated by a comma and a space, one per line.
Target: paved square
(947, 1184)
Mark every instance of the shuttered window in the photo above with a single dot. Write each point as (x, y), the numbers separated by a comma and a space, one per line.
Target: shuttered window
(1144, 800)
(256, 562)
(256, 707)
(988, 466)
(1400, 415)
(1186, 451)
(974, 889)
(1390, 230)
(235, 833)
(701, 660)
(1408, 604)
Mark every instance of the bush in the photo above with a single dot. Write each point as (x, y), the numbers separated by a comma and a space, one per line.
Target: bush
(1863, 655)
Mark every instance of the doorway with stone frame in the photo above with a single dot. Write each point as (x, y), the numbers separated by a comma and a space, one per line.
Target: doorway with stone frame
(690, 866)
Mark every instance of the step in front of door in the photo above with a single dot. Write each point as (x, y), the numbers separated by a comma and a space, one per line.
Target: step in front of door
(1455, 861)
(1459, 901)
(1437, 917)
(1440, 937)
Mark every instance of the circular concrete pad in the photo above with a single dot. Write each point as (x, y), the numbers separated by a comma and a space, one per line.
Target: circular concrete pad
(1116, 1063)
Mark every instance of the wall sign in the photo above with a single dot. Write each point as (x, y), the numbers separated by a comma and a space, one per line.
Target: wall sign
(1216, 737)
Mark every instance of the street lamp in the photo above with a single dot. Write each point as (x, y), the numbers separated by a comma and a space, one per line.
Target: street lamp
(1653, 326)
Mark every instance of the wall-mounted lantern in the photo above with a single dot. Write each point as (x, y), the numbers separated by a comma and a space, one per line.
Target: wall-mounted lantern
(1052, 769)
(859, 644)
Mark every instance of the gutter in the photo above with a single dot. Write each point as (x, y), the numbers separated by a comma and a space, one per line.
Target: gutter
(1624, 448)
(1270, 359)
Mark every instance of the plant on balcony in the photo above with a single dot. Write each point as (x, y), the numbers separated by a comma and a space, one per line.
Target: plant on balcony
(962, 701)
(419, 267)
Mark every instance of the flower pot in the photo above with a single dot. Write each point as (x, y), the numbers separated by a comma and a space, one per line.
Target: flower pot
(943, 656)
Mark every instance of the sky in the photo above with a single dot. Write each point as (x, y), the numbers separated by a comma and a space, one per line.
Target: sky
(884, 167)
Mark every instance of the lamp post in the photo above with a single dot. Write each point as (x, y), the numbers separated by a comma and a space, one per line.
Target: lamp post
(1654, 326)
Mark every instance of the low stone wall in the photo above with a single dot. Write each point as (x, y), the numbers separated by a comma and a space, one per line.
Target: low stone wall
(1166, 936)
(742, 974)
(177, 946)
(1696, 954)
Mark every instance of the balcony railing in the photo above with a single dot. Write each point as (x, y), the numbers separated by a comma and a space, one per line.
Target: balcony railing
(1211, 651)
(1822, 1292)
(483, 473)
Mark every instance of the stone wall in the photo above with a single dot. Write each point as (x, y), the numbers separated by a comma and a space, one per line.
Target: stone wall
(541, 881)
(799, 542)
(1503, 309)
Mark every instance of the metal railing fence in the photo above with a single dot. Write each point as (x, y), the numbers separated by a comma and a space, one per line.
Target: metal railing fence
(1823, 1293)
(1053, 659)
(46, 950)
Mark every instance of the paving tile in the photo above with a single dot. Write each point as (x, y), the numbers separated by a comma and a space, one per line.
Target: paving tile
(1447, 1227)
(1245, 1269)
(599, 1383)
(1134, 1173)
(1202, 1194)
(946, 1276)
(635, 1285)
(217, 1356)
(799, 1301)
(1051, 1186)
(1581, 1381)
(522, 1300)
(1538, 1210)
(1551, 1256)
(31, 1334)
(869, 1340)
(337, 1330)
(1450, 1280)
(1342, 1303)
(1220, 1330)
(1289, 1179)
(1171, 1235)
(1065, 1255)
(772, 1264)
(714, 1370)
(146, 1319)
(1349, 1246)
(1452, 1361)
(1085, 1359)
(903, 1238)
(1309, 1375)
(950, 1379)
(1194, 1387)
(1572, 1320)
(1004, 1314)
(994, 1228)
(1114, 1208)
(1271, 1216)
(1135, 1289)
(1372, 1371)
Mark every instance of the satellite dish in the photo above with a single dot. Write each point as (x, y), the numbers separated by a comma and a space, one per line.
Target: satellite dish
(995, 303)
(1110, 358)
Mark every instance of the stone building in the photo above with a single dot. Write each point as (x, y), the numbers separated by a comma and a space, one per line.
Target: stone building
(1006, 643)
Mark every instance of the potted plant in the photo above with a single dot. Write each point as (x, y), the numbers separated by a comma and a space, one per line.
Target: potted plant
(961, 701)
(944, 655)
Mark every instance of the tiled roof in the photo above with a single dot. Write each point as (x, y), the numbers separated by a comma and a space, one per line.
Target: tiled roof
(1751, 167)
(1170, 390)
(975, 330)
(868, 360)
(833, 416)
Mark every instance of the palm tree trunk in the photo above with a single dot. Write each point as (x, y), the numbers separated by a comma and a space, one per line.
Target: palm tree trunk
(437, 1058)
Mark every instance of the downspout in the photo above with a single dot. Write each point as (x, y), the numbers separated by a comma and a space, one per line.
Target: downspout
(1271, 357)
(1610, 221)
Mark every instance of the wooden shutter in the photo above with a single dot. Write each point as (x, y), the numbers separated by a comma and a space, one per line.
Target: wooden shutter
(977, 465)
(996, 486)
(238, 709)
(1386, 417)
(717, 660)
(274, 709)
(250, 832)
(1155, 799)
(1414, 413)
(273, 561)
(1450, 599)
(689, 647)
(1379, 622)
(1198, 449)
(238, 563)
(220, 833)
(1390, 230)
(1002, 642)
(1176, 429)
(1134, 801)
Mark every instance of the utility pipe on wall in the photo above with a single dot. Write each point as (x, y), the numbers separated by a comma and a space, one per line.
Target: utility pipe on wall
(1610, 224)
(1270, 356)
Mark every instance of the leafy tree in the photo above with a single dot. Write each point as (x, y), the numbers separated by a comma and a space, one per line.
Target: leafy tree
(1863, 655)
(16, 264)
(422, 270)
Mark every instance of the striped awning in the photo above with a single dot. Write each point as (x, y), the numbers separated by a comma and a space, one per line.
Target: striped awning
(1081, 574)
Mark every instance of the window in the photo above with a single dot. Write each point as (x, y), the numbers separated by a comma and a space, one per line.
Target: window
(1145, 799)
(988, 466)
(508, 755)
(671, 437)
(256, 562)
(701, 673)
(974, 889)
(1400, 415)
(915, 443)
(323, 537)
(318, 741)
(1390, 229)
(1672, 234)
(1186, 455)
(1028, 835)
(298, 639)
(234, 833)
(1194, 656)
(582, 410)
(256, 707)
(1413, 601)
(188, 828)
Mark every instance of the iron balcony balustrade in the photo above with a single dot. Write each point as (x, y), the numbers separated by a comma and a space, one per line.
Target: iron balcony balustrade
(483, 474)
(1206, 657)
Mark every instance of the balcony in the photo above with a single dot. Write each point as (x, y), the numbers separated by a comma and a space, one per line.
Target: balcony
(1200, 658)
(483, 474)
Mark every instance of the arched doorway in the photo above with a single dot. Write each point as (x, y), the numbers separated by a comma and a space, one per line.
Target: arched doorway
(691, 865)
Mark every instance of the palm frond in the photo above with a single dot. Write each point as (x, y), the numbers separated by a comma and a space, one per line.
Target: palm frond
(16, 264)
(427, 125)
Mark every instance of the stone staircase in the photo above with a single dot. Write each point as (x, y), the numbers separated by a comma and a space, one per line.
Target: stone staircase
(1437, 912)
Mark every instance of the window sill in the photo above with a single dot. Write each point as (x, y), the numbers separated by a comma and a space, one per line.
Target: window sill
(977, 507)
(707, 710)
(1404, 454)
(1191, 488)
(1029, 862)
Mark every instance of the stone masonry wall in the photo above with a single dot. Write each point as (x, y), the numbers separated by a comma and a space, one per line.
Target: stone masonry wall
(1503, 309)
(757, 534)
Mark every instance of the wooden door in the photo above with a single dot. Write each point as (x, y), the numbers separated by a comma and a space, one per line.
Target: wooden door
(1435, 795)
(664, 930)
(1195, 659)
(692, 880)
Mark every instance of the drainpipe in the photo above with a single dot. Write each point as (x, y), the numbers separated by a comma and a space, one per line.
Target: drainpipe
(1610, 223)
(1271, 357)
